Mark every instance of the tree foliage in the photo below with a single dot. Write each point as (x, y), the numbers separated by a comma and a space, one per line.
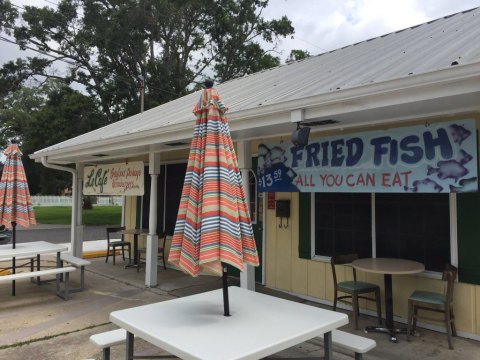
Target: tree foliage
(108, 44)
(296, 55)
(104, 47)
(43, 116)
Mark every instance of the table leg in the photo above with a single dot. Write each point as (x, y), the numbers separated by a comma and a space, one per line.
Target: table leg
(135, 252)
(387, 279)
(135, 249)
(13, 272)
(38, 268)
(389, 326)
(129, 349)
(327, 343)
(57, 277)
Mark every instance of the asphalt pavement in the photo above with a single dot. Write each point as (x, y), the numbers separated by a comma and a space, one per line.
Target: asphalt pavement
(58, 234)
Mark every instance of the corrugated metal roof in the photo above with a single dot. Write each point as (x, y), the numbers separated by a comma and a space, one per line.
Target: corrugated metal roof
(421, 49)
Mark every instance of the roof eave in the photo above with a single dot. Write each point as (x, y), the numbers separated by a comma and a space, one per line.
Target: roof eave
(456, 80)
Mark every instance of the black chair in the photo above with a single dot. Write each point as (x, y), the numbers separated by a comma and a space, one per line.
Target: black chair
(160, 254)
(113, 244)
(354, 288)
(438, 302)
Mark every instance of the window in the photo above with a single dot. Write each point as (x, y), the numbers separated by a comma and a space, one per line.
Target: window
(408, 226)
(343, 224)
(415, 227)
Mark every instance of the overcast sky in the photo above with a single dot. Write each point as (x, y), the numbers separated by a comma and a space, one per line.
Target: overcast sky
(324, 25)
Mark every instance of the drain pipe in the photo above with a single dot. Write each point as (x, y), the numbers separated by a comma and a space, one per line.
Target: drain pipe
(75, 199)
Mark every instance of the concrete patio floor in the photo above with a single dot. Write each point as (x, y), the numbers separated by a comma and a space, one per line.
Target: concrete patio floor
(36, 324)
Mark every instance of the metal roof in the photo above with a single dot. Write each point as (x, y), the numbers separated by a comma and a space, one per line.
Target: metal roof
(400, 58)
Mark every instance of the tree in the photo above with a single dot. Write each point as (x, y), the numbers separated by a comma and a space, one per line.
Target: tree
(108, 44)
(42, 116)
(8, 15)
(238, 25)
(296, 55)
(66, 113)
(16, 112)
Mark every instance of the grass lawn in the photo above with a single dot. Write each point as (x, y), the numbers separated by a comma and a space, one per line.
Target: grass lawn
(62, 215)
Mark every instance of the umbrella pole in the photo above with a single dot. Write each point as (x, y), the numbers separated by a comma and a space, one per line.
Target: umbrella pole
(14, 225)
(226, 305)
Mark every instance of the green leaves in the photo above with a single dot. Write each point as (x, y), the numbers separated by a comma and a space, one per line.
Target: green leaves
(107, 44)
(8, 15)
(104, 46)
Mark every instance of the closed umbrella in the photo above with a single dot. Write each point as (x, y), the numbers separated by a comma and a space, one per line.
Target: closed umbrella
(15, 201)
(213, 225)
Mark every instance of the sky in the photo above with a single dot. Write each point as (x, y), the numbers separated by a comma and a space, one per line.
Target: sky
(324, 25)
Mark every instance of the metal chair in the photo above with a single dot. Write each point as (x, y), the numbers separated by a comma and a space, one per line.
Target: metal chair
(113, 244)
(438, 302)
(160, 253)
(354, 288)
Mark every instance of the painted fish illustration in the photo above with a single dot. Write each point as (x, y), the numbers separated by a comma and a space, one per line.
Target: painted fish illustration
(263, 150)
(459, 133)
(276, 155)
(465, 185)
(425, 185)
(464, 157)
(451, 169)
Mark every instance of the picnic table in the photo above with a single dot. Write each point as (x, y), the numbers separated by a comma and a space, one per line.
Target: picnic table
(33, 250)
(194, 327)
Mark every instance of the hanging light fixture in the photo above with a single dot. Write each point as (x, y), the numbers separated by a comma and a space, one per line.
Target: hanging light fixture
(300, 135)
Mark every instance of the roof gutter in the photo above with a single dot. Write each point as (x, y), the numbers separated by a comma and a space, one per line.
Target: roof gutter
(75, 199)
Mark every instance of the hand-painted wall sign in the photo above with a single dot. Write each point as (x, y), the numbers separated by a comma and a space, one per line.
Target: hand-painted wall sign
(440, 157)
(114, 179)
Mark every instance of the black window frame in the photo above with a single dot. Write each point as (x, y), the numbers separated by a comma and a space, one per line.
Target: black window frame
(434, 203)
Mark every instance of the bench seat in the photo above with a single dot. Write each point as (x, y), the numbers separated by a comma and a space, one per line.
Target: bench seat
(358, 344)
(116, 337)
(64, 294)
(78, 263)
(107, 339)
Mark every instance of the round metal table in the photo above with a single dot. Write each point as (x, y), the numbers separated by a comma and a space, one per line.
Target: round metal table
(388, 267)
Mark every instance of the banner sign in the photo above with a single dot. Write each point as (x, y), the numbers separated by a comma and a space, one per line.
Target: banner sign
(435, 158)
(114, 179)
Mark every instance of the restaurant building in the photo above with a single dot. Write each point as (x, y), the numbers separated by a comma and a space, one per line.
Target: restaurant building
(390, 169)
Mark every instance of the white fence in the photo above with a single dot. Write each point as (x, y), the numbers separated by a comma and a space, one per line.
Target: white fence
(67, 200)
(109, 200)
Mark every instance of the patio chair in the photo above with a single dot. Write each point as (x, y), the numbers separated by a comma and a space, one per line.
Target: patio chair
(160, 253)
(354, 288)
(438, 302)
(113, 244)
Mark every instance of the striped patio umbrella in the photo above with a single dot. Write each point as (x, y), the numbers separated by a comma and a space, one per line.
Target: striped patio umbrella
(15, 201)
(213, 225)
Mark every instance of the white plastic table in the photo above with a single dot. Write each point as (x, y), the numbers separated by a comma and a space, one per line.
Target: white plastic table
(194, 327)
(388, 267)
(30, 249)
(34, 248)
